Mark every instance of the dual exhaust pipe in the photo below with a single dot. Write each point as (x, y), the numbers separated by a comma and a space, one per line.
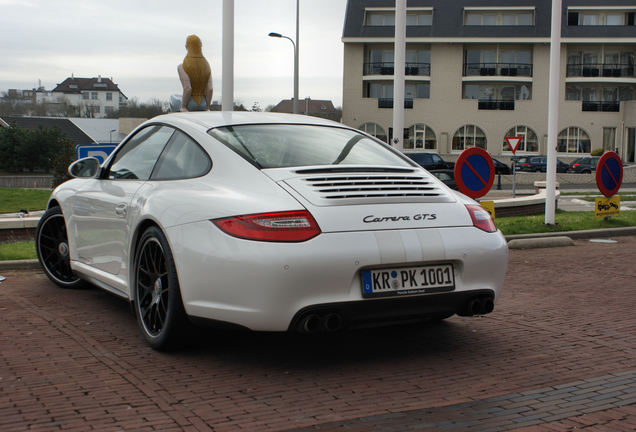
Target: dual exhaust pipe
(315, 323)
(478, 306)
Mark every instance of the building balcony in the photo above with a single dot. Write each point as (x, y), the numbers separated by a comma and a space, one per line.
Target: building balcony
(385, 68)
(490, 104)
(498, 69)
(606, 70)
(601, 106)
(388, 103)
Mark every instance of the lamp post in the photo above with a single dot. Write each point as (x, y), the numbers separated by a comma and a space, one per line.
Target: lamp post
(110, 136)
(295, 101)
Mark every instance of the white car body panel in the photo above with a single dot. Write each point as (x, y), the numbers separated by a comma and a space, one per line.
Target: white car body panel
(263, 285)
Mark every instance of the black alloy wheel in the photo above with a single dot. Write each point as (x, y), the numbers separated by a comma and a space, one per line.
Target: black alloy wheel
(51, 244)
(157, 296)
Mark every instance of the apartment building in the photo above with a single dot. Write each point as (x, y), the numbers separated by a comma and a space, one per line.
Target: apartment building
(477, 71)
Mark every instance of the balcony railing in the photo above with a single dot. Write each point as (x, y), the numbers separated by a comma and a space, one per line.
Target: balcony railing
(498, 69)
(601, 106)
(489, 104)
(608, 70)
(386, 68)
(388, 103)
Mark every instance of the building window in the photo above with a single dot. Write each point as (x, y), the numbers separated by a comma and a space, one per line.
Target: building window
(500, 60)
(109, 109)
(384, 90)
(468, 136)
(528, 144)
(419, 18)
(379, 18)
(573, 140)
(96, 109)
(94, 95)
(490, 17)
(421, 137)
(601, 60)
(496, 92)
(598, 17)
(414, 17)
(109, 96)
(85, 95)
(374, 129)
(380, 60)
(599, 93)
(609, 138)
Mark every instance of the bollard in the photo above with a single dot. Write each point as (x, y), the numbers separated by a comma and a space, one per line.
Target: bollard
(499, 181)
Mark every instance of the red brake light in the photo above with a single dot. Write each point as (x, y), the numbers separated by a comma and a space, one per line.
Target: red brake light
(288, 226)
(576, 164)
(481, 218)
(525, 164)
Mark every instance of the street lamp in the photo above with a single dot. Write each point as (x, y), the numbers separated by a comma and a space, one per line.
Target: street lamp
(110, 135)
(295, 101)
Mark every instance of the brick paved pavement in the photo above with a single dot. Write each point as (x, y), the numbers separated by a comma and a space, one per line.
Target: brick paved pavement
(558, 353)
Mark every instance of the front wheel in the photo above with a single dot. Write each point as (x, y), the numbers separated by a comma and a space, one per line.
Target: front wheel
(51, 245)
(157, 296)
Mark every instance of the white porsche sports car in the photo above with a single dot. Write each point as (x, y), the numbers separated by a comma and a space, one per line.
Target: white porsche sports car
(271, 222)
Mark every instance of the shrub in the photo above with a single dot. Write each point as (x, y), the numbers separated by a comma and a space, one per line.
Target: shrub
(597, 152)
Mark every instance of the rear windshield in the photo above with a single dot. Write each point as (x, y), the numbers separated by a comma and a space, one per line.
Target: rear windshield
(286, 145)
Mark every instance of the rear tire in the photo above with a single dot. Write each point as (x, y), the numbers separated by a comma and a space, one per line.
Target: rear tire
(51, 245)
(157, 297)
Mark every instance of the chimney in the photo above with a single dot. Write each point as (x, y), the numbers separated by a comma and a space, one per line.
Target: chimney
(99, 78)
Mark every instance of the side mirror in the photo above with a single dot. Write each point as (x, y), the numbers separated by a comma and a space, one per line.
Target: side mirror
(84, 168)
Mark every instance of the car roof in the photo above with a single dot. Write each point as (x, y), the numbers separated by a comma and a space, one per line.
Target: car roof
(210, 119)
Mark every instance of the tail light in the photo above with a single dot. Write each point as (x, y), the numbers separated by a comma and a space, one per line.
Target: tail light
(481, 218)
(576, 165)
(289, 226)
(525, 164)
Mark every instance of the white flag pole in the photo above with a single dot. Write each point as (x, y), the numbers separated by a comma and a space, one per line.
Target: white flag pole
(398, 74)
(553, 111)
(227, 100)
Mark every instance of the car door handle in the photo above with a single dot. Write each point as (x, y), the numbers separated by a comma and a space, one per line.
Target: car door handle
(120, 209)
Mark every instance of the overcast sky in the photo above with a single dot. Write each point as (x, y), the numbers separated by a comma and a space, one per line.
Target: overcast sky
(139, 43)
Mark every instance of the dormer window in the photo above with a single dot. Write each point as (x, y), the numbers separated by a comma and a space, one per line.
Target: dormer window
(416, 16)
(593, 16)
(498, 16)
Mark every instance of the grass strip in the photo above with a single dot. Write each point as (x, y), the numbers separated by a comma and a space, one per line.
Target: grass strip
(564, 221)
(17, 251)
(12, 200)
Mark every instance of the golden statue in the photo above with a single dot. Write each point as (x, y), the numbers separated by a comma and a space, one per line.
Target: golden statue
(196, 78)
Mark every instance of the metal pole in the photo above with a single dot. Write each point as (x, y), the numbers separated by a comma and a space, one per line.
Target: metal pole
(553, 111)
(227, 100)
(398, 74)
(296, 48)
(514, 179)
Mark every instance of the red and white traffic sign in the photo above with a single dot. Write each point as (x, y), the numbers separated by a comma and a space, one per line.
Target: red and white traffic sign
(513, 142)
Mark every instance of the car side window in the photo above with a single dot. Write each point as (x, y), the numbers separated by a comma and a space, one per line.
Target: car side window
(436, 159)
(182, 159)
(136, 159)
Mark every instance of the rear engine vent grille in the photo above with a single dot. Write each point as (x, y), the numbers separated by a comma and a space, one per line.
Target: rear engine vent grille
(374, 186)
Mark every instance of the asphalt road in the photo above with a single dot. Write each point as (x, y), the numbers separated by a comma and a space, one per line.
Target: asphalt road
(558, 353)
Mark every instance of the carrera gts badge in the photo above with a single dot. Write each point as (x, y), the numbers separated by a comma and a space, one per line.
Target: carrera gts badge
(416, 217)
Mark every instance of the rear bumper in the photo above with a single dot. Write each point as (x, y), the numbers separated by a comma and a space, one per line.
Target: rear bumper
(359, 314)
(267, 286)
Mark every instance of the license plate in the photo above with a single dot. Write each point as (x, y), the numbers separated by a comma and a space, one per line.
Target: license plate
(408, 280)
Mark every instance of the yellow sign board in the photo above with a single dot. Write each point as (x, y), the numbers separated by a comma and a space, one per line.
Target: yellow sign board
(489, 206)
(605, 207)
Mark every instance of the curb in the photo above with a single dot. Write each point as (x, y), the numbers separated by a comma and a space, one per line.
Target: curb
(31, 264)
(540, 242)
(517, 241)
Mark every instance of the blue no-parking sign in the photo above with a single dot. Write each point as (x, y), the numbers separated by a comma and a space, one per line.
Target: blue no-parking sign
(99, 151)
(609, 173)
(474, 172)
